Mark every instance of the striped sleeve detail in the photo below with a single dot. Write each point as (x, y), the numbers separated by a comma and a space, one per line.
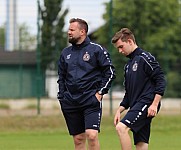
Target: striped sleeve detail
(110, 68)
(97, 45)
(110, 79)
(147, 62)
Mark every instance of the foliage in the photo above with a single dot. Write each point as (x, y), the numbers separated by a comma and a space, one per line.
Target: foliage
(4, 106)
(2, 36)
(53, 38)
(27, 41)
(175, 78)
(157, 29)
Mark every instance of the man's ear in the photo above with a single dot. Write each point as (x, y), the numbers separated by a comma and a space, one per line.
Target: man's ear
(130, 41)
(82, 32)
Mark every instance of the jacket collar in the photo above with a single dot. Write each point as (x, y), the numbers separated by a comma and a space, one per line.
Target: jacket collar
(137, 51)
(83, 44)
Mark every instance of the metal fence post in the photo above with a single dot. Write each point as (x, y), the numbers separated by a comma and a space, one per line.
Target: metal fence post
(110, 48)
(38, 60)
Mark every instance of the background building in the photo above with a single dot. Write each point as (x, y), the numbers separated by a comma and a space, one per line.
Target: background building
(18, 75)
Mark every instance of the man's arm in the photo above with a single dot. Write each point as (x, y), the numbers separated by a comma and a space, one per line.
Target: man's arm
(153, 69)
(61, 78)
(108, 71)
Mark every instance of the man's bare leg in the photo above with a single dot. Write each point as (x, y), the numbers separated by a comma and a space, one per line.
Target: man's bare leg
(93, 141)
(80, 141)
(125, 139)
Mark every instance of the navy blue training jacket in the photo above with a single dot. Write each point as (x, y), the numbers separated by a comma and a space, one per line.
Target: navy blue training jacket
(83, 70)
(143, 78)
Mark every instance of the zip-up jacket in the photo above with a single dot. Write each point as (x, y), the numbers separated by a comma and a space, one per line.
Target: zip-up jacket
(143, 79)
(83, 70)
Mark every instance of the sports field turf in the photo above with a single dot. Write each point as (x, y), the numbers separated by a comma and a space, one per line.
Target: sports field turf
(50, 133)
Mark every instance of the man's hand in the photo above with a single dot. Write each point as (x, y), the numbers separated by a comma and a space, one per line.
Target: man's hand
(99, 97)
(152, 111)
(117, 116)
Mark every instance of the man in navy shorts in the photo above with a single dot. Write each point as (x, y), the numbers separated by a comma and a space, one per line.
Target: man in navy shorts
(144, 86)
(85, 74)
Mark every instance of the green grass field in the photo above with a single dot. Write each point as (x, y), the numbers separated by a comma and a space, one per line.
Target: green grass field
(50, 133)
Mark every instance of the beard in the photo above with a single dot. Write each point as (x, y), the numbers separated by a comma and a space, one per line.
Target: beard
(73, 40)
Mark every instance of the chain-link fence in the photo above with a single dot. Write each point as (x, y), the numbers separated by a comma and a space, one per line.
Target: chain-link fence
(27, 57)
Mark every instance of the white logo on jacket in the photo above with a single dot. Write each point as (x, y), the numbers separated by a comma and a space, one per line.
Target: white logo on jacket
(86, 57)
(135, 66)
(68, 56)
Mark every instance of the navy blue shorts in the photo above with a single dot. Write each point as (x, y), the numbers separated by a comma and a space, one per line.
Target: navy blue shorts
(136, 119)
(82, 116)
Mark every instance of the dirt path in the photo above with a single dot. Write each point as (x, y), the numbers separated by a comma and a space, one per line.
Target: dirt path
(29, 107)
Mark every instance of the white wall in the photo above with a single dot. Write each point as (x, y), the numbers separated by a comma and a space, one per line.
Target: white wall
(51, 84)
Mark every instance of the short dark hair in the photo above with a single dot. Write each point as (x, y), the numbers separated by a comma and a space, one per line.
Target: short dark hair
(83, 24)
(124, 34)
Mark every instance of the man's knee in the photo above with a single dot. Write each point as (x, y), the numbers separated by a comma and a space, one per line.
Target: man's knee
(142, 146)
(79, 139)
(92, 134)
(122, 128)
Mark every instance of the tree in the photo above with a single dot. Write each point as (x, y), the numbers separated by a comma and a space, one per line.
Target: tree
(157, 29)
(53, 38)
(27, 41)
(2, 36)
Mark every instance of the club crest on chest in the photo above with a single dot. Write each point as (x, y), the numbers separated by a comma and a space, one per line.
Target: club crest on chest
(135, 66)
(86, 57)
